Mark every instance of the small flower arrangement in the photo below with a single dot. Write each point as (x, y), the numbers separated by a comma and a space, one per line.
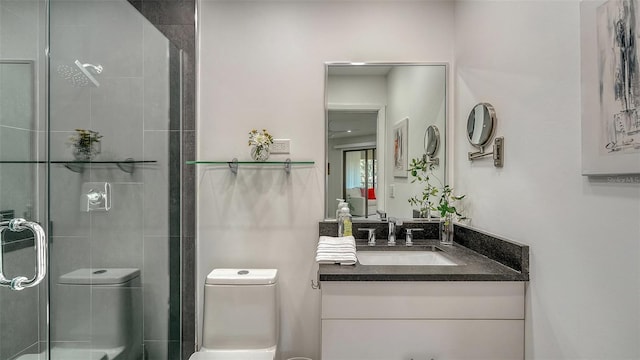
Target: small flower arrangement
(86, 144)
(260, 138)
(260, 142)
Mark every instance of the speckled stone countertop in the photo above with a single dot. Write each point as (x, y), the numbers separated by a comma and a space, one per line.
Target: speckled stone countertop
(492, 259)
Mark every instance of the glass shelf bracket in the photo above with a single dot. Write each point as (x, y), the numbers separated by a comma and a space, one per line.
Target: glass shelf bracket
(234, 164)
(127, 165)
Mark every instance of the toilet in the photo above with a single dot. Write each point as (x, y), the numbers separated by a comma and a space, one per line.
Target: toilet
(241, 315)
(97, 316)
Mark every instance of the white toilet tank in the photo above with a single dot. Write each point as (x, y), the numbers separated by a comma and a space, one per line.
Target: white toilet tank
(113, 320)
(241, 309)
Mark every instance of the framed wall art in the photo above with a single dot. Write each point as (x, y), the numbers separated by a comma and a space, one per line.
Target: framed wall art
(401, 148)
(610, 86)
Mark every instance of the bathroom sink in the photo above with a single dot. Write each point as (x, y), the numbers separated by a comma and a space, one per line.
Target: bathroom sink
(405, 258)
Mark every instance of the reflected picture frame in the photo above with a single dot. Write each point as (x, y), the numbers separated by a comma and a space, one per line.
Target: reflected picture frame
(610, 102)
(400, 148)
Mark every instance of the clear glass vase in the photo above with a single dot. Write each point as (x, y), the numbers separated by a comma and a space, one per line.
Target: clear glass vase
(260, 153)
(446, 230)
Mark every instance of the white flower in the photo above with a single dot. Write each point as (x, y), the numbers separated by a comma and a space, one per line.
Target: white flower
(260, 138)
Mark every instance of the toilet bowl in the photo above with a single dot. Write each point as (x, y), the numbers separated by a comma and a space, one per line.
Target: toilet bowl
(241, 315)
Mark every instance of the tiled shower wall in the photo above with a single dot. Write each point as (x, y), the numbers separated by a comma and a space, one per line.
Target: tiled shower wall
(136, 109)
(176, 20)
(79, 238)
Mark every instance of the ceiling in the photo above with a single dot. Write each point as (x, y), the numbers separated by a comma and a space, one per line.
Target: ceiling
(350, 123)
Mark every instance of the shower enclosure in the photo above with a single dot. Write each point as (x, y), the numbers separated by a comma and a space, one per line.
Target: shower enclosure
(90, 141)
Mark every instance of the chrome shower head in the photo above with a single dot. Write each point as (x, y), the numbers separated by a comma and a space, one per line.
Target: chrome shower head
(80, 75)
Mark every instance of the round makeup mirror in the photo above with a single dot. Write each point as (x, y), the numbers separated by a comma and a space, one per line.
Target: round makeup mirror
(481, 124)
(431, 140)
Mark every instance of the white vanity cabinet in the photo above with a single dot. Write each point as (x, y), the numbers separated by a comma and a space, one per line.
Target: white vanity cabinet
(404, 320)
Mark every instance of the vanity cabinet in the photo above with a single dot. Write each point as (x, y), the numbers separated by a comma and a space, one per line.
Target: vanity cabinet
(422, 320)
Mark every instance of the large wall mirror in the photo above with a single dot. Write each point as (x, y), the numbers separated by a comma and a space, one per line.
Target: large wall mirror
(377, 115)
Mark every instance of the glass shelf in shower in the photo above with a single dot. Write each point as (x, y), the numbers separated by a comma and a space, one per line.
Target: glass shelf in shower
(127, 165)
(235, 163)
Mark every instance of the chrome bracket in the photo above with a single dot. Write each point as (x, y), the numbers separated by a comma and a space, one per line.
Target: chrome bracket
(233, 165)
(430, 160)
(498, 153)
(287, 166)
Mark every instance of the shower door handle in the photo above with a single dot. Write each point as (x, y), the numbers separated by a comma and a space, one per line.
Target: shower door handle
(22, 282)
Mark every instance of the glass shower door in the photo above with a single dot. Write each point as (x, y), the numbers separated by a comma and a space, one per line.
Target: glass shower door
(23, 302)
(114, 140)
(89, 145)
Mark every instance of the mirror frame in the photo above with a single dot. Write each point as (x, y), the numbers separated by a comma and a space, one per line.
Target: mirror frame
(494, 124)
(498, 143)
(379, 107)
(436, 138)
(429, 156)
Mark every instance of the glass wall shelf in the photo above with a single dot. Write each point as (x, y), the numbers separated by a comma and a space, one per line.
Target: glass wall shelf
(233, 164)
(127, 165)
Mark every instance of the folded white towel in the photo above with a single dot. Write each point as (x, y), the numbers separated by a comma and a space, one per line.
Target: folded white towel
(336, 244)
(330, 262)
(335, 247)
(337, 240)
(336, 250)
(335, 254)
(342, 260)
(336, 257)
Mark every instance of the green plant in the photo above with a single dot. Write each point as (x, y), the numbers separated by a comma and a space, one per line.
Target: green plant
(421, 171)
(83, 139)
(446, 203)
(86, 144)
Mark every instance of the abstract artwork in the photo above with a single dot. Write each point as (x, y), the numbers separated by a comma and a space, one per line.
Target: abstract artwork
(610, 70)
(619, 75)
(400, 148)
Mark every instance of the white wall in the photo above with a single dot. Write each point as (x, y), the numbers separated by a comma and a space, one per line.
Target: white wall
(262, 66)
(583, 298)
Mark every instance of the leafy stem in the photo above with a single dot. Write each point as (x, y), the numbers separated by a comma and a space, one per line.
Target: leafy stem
(422, 172)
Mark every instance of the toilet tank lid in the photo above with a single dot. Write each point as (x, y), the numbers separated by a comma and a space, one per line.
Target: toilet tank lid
(242, 277)
(99, 276)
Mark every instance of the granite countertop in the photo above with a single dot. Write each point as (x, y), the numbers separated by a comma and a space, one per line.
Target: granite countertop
(495, 259)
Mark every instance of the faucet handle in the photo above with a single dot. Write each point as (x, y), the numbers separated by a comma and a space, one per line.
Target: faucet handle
(371, 236)
(409, 238)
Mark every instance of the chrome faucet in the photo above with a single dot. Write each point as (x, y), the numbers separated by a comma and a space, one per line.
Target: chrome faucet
(409, 238)
(392, 230)
(371, 238)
